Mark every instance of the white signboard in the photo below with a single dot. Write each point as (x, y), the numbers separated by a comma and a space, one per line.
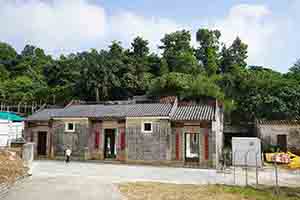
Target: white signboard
(246, 151)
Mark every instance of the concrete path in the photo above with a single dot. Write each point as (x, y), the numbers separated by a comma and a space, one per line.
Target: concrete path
(79, 180)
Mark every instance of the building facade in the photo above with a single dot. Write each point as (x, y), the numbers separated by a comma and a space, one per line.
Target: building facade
(285, 134)
(162, 133)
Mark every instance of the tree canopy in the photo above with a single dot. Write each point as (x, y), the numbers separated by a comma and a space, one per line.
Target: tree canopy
(208, 70)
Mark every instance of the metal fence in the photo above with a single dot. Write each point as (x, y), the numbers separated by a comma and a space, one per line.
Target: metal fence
(247, 172)
(245, 161)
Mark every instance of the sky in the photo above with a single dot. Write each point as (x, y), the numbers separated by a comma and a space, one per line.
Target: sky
(269, 27)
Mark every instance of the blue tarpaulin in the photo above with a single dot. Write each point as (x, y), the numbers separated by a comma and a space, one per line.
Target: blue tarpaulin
(10, 116)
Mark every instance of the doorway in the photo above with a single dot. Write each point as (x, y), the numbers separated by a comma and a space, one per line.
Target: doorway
(109, 144)
(192, 147)
(42, 144)
(282, 142)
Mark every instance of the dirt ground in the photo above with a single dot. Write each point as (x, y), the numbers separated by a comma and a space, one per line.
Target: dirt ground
(163, 191)
(11, 167)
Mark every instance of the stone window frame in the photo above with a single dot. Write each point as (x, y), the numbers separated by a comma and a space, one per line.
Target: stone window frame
(67, 127)
(143, 127)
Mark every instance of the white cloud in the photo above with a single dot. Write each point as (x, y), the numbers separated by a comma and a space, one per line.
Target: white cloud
(126, 26)
(254, 25)
(64, 26)
(55, 26)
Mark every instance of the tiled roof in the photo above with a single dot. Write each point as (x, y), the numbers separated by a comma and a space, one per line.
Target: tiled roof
(194, 112)
(157, 109)
(181, 113)
(278, 122)
(43, 115)
(103, 111)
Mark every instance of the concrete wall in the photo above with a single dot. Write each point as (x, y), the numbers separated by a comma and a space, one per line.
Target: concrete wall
(268, 134)
(218, 133)
(31, 135)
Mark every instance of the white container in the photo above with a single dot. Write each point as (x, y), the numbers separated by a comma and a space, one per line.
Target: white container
(4, 132)
(246, 151)
(10, 131)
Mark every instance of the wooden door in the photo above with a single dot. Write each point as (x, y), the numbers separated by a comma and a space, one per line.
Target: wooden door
(42, 143)
(282, 142)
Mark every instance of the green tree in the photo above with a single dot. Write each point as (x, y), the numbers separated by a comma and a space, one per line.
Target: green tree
(20, 89)
(155, 64)
(203, 86)
(178, 52)
(234, 56)
(99, 76)
(294, 72)
(140, 60)
(296, 67)
(140, 47)
(173, 83)
(7, 53)
(208, 52)
(4, 74)
(8, 57)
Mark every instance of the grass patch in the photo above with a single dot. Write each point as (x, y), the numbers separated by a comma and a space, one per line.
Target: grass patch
(163, 191)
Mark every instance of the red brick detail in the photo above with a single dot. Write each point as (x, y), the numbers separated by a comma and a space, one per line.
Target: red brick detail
(97, 139)
(123, 140)
(177, 147)
(167, 99)
(185, 103)
(206, 144)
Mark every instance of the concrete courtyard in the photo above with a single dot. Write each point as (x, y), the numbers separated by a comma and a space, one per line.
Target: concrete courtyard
(80, 180)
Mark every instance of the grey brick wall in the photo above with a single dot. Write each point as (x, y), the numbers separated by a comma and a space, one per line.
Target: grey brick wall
(78, 140)
(148, 146)
(268, 134)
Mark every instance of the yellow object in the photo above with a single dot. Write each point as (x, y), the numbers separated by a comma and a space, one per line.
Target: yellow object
(295, 161)
(269, 157)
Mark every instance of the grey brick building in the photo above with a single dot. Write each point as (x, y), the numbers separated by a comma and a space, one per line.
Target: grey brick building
(285, 134)
(164, 133)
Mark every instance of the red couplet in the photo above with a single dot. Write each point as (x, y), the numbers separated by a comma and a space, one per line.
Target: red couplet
(123, 140)
(177, 146)
(97, 134)
(206, 144)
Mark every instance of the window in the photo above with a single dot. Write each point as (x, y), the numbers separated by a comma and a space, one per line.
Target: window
(70, 127)
(147, 127)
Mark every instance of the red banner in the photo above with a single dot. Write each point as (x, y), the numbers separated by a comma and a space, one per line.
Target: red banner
(206, 148)
(177, 146)
(123, 140)
(97, 134)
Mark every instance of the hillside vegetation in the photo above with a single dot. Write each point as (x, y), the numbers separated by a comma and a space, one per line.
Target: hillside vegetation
(210, 69)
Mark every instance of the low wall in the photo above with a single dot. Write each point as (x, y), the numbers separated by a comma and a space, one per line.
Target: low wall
(28, 156)
(5, 187)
